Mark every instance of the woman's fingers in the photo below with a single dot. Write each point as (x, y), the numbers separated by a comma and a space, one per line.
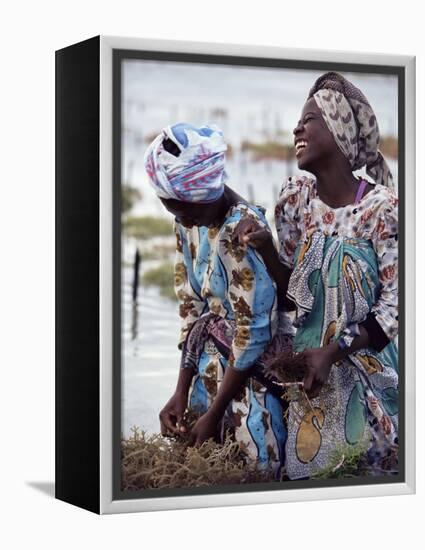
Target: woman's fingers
(308, 380)
(193, 440)
(243, 229)
(250, 232)
(166, 429)
(181, 424)
(167, 422)
(312, 385)
(162, 427)
(255, 236)
(307, 385)
(314, 392)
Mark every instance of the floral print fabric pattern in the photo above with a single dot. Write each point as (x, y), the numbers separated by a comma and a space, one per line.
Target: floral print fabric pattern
(300, 212)
(344, 263)
(214, 275)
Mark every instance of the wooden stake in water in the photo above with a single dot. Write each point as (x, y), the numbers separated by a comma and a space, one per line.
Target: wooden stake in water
(137, 259)
(250, 188)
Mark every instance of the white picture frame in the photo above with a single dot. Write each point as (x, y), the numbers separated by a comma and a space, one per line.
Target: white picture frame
(107, 450)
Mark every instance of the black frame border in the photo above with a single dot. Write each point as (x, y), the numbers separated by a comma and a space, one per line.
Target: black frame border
(77, 376)
(120, 55)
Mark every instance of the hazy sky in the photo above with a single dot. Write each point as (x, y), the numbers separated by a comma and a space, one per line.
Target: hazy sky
(248, 103)
(155, 93)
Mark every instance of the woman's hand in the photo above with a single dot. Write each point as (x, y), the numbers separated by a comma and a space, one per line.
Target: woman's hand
(318, 362)
(171, 416)
(205, 428)
(249, 232)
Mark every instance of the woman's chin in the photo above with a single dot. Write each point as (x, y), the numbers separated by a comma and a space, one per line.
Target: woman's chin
(301, 164)
(304, 163)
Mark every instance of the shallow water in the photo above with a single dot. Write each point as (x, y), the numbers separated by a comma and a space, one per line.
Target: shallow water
(150, 356)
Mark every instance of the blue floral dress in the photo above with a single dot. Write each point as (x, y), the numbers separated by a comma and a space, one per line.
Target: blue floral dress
(215, 275)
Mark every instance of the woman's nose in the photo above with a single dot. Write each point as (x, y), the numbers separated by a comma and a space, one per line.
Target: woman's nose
(297, 128)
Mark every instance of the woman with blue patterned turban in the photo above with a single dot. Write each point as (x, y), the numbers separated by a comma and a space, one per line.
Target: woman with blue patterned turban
(227, 300)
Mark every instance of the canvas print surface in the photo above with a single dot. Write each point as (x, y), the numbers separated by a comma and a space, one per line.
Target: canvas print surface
(259, 276)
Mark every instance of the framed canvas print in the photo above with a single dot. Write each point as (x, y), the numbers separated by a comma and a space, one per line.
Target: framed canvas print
(234, 274)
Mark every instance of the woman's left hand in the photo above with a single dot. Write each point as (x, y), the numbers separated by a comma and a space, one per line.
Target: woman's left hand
(318, 362)
(204, 428)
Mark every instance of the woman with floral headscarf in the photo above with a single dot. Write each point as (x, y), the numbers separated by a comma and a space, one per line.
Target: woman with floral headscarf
(227, 299)
(337, 264)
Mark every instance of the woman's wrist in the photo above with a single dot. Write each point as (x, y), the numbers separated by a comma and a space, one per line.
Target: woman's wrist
(337, 352)
(333, 352)
(181, 395)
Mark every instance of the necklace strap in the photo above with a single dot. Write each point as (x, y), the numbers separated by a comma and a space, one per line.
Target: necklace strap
(361, 189)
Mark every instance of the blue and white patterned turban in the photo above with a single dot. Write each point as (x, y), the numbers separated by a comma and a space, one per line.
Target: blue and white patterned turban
(197, 174)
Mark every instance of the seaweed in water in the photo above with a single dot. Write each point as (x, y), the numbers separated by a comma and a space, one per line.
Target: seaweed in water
(158, 462)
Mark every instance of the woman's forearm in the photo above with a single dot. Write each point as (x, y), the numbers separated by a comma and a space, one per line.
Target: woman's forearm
(232, 382)
(278, 271)
(184, 380)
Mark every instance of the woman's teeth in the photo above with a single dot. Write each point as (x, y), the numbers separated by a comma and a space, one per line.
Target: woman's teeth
(299, 146)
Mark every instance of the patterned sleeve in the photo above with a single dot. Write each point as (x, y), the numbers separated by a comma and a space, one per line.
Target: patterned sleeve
(252, 298)
(191, 305)
(385, 242)
(287, 220)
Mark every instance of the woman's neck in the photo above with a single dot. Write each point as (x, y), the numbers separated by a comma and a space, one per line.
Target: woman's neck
(230, 198)
(336, 186)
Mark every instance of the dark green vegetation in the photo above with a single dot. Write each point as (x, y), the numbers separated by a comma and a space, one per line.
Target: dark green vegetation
(144, 227)
(129, 196)
(163, 277)
(269, 150)
(347, 461)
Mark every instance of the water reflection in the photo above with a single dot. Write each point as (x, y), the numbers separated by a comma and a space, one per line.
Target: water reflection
(150, 357)
(134, 320)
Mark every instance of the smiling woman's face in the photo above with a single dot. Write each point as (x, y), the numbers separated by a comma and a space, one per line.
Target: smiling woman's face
(312, 138)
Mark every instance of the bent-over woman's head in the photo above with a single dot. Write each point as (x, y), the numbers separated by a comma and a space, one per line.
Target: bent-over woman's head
(336, 120)
(186, 168)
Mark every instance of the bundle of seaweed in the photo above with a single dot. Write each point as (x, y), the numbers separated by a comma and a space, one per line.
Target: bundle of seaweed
(158, 462)
(288, 368)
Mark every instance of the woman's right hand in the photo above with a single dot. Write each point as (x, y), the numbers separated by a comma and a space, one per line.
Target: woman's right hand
(249, 232)
(171, 416)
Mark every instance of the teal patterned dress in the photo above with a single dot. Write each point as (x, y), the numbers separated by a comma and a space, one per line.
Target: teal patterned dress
(344, 263)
